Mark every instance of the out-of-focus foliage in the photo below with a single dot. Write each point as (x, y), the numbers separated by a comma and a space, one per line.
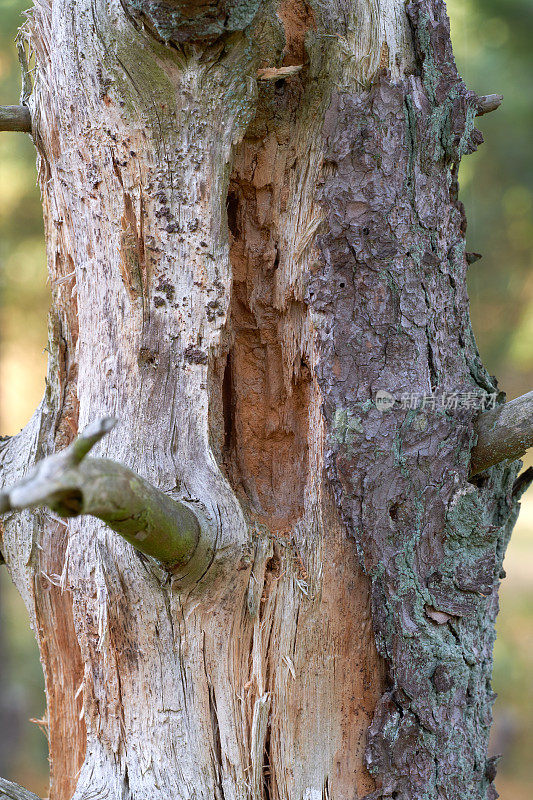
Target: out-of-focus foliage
(23, 292)
(23, 310)
(23, 744)
(492, 40)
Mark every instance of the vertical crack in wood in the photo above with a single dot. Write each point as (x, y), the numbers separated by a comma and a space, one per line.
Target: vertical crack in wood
(217, 747)
(267, 384)
(258, 747)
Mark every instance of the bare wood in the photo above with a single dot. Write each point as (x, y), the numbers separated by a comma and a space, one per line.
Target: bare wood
(488, 103)
(258, 737)
(277, 73)
(17, 454)
(152, 690)
(15, 118)
(504, 433)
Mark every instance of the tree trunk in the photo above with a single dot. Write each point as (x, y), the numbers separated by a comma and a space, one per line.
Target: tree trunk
(242, 255)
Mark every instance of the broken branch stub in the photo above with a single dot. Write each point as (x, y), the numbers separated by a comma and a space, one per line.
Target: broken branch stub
(503, 434)
(15, 118)
(488, 103)
(71, 484)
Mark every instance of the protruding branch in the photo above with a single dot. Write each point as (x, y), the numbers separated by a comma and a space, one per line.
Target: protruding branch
(488, 103)
(12, 791)
(15, 118)
(71, 484)
(503, 434)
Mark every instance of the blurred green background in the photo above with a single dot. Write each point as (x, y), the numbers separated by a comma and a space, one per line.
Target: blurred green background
(493, 48)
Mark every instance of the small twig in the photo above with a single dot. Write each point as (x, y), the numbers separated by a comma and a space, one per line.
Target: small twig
(503, 434)
(471, 258)
(488, 103)
(15, 118)
(522, 483)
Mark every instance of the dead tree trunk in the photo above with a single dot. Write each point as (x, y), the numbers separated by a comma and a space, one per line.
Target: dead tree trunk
(253, 228)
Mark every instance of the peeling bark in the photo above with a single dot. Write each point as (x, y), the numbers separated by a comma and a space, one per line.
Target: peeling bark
(253, 227)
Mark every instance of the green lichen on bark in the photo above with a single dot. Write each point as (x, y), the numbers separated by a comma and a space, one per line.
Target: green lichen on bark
(451, 124)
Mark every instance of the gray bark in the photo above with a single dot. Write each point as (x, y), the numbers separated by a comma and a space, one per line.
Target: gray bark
(253, 227)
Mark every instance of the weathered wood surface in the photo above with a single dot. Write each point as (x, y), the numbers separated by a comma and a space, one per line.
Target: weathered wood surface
(238, 266)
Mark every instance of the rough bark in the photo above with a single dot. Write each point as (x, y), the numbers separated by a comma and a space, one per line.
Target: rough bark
(432, 542)
(198, 21)
(238, 267)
